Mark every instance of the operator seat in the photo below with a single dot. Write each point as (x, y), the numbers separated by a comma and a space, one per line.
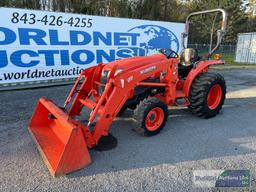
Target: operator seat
(188, 57)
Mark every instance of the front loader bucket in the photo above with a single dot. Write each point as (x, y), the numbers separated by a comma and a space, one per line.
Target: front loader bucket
(60, 142)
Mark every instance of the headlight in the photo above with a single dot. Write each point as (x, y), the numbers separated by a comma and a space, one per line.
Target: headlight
(103, 80)
(104, 76)
(118, 71)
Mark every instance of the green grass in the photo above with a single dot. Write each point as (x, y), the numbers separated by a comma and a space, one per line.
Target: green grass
(229, 59)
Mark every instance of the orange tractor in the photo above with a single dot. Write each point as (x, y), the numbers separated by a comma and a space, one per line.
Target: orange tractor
(145, 84)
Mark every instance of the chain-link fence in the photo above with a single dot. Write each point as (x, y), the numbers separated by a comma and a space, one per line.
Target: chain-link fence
(227, 51)
(224, 49)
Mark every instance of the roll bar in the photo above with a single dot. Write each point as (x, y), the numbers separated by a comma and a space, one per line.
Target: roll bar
(220, 32)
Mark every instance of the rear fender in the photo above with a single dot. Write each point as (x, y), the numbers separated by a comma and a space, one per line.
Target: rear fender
(201, 67)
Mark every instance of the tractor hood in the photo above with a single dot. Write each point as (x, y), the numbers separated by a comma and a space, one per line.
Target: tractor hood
(134, 62)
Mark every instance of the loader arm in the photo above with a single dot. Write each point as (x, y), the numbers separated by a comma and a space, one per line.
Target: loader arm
(63, 140)
(120, 88)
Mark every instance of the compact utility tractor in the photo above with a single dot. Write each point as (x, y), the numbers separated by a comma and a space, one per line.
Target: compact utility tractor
(145, 84)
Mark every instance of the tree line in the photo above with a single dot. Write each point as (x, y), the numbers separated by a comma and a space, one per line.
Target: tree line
(240, 18)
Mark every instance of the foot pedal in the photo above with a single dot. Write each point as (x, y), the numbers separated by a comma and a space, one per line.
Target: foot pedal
(106, 143)
(181, 102)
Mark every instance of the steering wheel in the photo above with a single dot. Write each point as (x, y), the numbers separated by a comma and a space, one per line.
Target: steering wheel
(169, 53)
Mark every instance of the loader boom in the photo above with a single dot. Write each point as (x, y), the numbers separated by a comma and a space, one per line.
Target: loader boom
(145, 84)
(117, 91)
(104, 107)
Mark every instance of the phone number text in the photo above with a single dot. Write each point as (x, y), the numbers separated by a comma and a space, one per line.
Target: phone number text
(51, 20)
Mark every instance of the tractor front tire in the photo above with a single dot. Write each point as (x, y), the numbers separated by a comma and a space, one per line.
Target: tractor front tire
(207, 95)
(150, 115)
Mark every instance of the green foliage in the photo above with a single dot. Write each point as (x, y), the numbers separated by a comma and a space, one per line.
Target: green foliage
(237, 19)
(166, 10)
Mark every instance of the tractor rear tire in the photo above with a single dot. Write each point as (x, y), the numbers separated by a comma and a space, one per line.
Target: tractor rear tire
(207, 95)
(150, 115)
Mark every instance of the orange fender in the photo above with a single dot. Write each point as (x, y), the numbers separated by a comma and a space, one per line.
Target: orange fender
(201, 67)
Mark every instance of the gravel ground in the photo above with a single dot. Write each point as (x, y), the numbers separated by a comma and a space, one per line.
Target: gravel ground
(161, 163)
